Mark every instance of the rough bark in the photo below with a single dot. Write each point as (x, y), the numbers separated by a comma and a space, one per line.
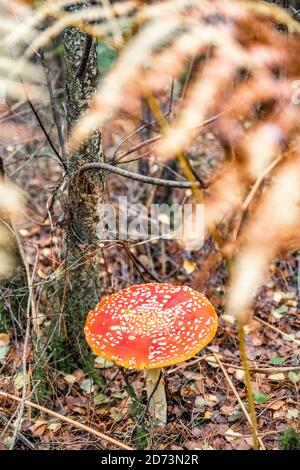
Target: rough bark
(82, 260)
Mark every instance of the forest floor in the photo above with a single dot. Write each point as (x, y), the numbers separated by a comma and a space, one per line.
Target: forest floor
(203, 410)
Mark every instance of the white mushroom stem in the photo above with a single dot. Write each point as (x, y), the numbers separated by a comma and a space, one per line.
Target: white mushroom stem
(156, 394)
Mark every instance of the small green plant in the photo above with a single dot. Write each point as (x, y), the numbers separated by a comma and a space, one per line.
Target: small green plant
(289, 439)
(107, 56)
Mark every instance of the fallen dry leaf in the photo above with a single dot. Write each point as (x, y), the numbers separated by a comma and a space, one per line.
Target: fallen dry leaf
(277, 377)
(18, 380)
(231, 435)
(70, 379)
(87, 386)
(277, 405)
(241, 444)
(240, 375)
(4, 339)
(211, 360)
(39, 427)
(54, 427)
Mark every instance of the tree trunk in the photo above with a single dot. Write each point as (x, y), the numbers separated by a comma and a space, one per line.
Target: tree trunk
(82, 258)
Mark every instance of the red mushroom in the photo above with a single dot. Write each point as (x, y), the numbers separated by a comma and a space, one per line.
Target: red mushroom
(150, 326)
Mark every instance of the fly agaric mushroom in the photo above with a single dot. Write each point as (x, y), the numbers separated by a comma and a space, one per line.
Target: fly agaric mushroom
(150, 326)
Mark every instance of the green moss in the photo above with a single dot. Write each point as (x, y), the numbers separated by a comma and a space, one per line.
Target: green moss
(141, 437)
(106, 57)
(141, 432)
(58, 349)
(97, 378)
(13, 303)
(289, 439)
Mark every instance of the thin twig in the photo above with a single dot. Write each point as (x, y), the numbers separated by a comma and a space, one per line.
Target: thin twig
(136, 176)
(30, 308)
(267, 370)
(282, 333)
(116, 157)
(20, 436)
(67, 420)
(46, 134)
(256, 370)
(136, 261)
(146, 126)
(230, 383)
(186, 83)
(136, 147)
(183, 366)
(160, 136)
(259, 181)
(295, 11)
(252, 193)
(183, 160)
(18, 421)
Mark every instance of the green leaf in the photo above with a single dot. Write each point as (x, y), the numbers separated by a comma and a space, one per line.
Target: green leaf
(100, 399)
(106, 56)
(276, 361)
(280, 310)
(293, 377)
(260, 398)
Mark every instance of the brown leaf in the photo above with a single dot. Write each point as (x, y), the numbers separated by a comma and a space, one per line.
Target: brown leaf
(226, 410)
(38, 428)
(116, 414)
(80, 410)
(79, 374)
(277, 405)
(196, 432)
(193, 445)
(277, 377)
(4, 339)
(241, 444)
(231, 435)
(54, 426)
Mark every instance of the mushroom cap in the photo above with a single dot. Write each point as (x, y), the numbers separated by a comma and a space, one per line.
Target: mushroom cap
(149, 326)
